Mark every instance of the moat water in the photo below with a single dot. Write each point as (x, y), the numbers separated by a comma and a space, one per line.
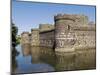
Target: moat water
(33, 60)
(43, 59)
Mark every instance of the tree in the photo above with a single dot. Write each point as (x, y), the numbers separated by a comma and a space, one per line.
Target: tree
(14, 35)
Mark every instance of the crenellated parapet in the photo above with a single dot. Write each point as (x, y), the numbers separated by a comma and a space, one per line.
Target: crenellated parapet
(76, 19)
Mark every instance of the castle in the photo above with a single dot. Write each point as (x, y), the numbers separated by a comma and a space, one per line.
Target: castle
(69, 31)
(72, 38)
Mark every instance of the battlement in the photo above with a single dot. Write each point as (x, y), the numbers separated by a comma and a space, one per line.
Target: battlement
(82, 19)
(69, 16)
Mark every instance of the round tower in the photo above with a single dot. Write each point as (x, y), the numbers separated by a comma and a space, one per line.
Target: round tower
(62, 27)
(35, 37)
(25, 39)
(64, 34)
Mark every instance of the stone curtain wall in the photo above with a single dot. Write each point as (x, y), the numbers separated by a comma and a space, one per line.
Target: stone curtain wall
(47, 39)
(72, 31)
(69, 31)
(35, 39)
(85, 38)
(46, 35)
(72, 38)
(45, 27)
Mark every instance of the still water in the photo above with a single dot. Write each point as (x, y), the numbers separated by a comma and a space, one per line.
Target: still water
(33, 59)
(42, 59)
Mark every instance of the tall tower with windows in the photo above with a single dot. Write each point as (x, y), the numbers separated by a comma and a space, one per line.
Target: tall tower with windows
(62, 28)
(65, 33)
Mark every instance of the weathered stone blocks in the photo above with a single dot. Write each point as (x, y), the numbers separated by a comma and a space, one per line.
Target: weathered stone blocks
(25, 39)
(35, 37)
(72, 38)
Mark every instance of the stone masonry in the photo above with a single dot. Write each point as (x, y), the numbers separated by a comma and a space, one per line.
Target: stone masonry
(34, 37)
(72, 37)
(73, 31)
(69, 31)
(25, 38)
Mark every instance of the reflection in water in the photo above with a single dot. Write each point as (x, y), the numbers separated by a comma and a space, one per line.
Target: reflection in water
(65, 61)
(30, 60)
(43, 59)
(35, 53)
(26, 49)
(14, 62)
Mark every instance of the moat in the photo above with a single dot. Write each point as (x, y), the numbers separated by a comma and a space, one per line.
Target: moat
(68, 45)
(33, 62)
(43, 59)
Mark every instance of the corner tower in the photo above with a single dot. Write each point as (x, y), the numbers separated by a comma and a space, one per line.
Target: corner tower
(64, 34)
(25, 39)
(62, 27)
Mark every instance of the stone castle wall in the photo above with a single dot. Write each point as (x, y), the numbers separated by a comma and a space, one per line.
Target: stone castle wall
(44, 36)
(69, 31)
(45, 27)
(47, 39)
(72, 37)
(75, 42)
(72, 31)
(25, 38)
(35, 41)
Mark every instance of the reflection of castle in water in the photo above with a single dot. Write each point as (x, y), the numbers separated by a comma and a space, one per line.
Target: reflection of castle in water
(61, 61)
(72, 40)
